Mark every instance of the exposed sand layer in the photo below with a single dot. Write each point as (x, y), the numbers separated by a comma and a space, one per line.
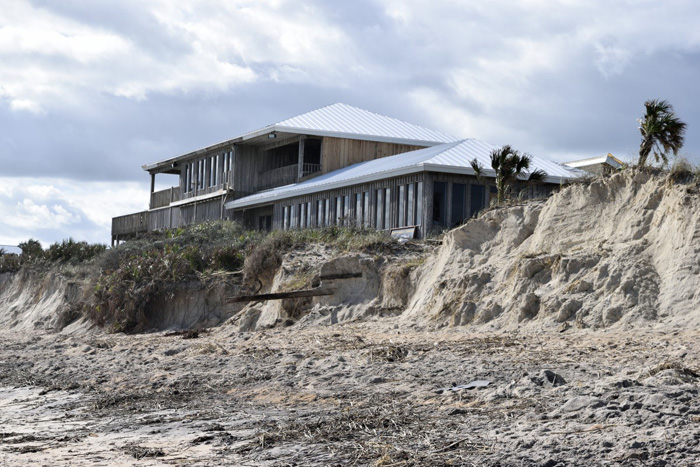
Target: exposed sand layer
(353, 393)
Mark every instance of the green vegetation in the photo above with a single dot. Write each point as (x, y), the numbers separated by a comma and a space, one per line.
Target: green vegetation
(509, 165)
(67, 252)
(137, 272)
(662, 132)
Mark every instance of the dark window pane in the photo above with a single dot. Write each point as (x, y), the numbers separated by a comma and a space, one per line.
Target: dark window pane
(478, 201)
(459, 191)
(439, 202)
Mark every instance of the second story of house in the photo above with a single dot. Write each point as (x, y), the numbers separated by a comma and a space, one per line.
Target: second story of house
(290, 151)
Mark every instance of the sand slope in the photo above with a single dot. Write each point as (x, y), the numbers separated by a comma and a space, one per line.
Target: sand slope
(619, 251)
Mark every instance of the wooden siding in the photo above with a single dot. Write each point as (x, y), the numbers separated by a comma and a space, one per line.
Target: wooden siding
(331, 195)
(425, 224)
(200, 212)
(277, 177)
(337, 153)
(163, 198)
(130, 224)
(165, 218)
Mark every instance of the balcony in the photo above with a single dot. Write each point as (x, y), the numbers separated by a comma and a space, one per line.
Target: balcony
(278, 177)
(163, 198)
(130, 225)
(308, 169)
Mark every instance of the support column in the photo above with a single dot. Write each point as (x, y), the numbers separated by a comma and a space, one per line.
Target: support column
(300, 173)
(153, 188)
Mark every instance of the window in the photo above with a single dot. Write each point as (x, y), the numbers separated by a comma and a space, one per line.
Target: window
(285, 218)
(186, 183)
(338, 210)
(419, 203)
(308, 215)
(302, 215)
(387, 208)
(459, 192)
(265, 223)
(365, 211)
(478, 199)
(402, 206)
(320, 211)
(439, 202)
(411, 205)
(328, 217)
(379, 209)
(346, 210)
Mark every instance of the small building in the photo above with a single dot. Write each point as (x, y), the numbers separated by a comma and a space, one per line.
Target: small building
(597, 165)
(335, 165)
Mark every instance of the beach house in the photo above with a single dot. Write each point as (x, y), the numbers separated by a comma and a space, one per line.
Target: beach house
(335, 165)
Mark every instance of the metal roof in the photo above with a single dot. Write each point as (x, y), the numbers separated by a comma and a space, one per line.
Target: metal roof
(452, 157)
(608, 159)
(345, 121)
(336, 120)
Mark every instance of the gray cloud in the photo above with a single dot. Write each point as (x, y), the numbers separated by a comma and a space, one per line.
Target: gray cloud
(90, 91)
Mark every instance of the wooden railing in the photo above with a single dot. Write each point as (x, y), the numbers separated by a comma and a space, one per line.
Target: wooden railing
(308, 169)
(131, 224)
(165, 218)
(278, 177)
(160, 199)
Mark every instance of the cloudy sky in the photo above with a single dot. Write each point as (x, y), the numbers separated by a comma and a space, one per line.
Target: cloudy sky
(90, 90)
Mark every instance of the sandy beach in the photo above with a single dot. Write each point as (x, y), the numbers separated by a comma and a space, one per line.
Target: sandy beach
(368, 393)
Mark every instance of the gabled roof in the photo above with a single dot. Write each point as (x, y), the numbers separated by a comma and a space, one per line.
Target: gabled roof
(336, 120)
(452, 157)
(345, 121)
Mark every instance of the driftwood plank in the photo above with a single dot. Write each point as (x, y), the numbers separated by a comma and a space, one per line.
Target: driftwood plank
(346, 275)
(282, 295)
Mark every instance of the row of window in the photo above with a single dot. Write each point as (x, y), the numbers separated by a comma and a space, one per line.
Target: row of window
(355, 209)
(465, 203)
(207, 172)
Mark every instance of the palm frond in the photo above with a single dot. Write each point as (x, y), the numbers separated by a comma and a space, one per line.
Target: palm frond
(537, 176)
(477, 168)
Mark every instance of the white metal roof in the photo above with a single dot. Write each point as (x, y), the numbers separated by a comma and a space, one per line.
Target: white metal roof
(452, 157)
(345, 121)
(336, 120)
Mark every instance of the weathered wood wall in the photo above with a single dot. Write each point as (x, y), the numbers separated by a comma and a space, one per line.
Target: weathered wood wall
(163, 198)
(337, 153)
(202, 211)
(370, 215)
(131, 223)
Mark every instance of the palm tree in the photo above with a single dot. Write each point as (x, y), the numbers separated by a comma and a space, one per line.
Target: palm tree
(661, 130)
(509, 165)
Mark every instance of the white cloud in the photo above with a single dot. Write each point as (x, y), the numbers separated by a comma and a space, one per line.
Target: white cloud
(92, 90)
(55, 209)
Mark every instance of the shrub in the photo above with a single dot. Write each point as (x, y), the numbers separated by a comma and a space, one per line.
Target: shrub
(9, 262)
(70, 251)
(31, 251)
(682, 172)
